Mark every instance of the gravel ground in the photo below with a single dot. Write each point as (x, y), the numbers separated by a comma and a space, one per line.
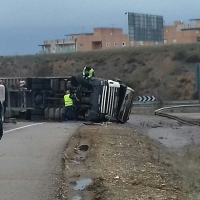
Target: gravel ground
(122, 163)
(149, 157)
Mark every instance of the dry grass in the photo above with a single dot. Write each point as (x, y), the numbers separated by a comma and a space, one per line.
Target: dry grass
(129, 165)
(149, 70)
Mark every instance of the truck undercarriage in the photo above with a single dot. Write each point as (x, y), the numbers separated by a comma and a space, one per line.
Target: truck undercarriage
(95, 99)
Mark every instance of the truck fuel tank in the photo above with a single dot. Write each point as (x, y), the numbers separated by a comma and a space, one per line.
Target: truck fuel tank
(2, 93)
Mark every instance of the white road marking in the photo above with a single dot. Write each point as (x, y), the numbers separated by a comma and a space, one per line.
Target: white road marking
(22, 127)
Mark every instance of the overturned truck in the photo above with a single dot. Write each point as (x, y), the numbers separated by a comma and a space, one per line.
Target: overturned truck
(96, 99)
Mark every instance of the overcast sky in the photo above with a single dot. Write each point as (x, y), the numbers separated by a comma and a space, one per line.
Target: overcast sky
(24, 24)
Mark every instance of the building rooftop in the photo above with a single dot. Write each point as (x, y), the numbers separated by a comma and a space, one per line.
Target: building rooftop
(194, 19)
(44, 45)
(72, 34)
(107, 28)
(79, 34)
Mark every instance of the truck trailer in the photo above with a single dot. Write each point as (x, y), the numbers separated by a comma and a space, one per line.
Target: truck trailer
(41, 98)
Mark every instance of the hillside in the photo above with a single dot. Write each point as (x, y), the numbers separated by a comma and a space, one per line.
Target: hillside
(164, 71)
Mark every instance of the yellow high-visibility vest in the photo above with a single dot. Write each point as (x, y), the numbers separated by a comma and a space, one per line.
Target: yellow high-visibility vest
(90, 72)
(68, 100)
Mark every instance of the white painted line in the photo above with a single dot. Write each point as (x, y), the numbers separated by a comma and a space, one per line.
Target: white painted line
(22, 127)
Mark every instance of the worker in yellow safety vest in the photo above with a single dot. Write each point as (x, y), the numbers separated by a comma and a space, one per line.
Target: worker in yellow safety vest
(88, 72)
(69, 113)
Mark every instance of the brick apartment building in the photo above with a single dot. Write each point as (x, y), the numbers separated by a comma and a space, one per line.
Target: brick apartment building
(101, 38)
(181, 33)
(58, 46)
(112, 38)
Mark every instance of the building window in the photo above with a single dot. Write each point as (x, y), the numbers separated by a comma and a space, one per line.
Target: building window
(116, 44)
(132, 43)
(174, 40)
(123, 44)
(108, 44)
(141, 43)
(81, 45)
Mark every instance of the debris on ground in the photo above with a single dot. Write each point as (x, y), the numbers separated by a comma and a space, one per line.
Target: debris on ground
(120, 163)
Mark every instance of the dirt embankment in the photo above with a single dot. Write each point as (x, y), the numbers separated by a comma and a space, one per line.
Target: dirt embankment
(164, 71)
(113, 162)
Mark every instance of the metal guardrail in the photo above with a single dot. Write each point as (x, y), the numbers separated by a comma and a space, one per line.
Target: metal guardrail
(172, 107)
(161, 112)
(146, 104)
(165, 103)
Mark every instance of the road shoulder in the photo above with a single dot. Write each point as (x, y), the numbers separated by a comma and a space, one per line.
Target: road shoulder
(120, 162)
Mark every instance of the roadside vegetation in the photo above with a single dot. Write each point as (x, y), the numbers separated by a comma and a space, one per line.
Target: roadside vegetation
(168, 72)
(124, 163)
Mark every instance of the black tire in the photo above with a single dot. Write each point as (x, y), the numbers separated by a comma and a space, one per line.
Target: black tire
(37, 112)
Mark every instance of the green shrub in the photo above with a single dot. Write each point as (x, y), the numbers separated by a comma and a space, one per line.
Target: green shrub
(193, 59)
(131, 60)
(180, 55)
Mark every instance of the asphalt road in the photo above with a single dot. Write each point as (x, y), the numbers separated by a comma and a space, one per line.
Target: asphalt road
(30, 159)
(30, 153)
(168, 132)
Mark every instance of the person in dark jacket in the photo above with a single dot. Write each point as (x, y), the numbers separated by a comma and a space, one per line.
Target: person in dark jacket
(88, 72)
(1, 122)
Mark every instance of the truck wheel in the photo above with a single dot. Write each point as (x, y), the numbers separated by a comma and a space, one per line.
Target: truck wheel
(52, 113)
(57, 114)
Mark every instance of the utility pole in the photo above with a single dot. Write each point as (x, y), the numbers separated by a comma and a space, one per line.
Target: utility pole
(198, 79)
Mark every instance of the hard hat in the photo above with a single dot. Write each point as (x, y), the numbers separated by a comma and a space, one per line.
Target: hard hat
(67, 92)
(22, 83)
(88, 68)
